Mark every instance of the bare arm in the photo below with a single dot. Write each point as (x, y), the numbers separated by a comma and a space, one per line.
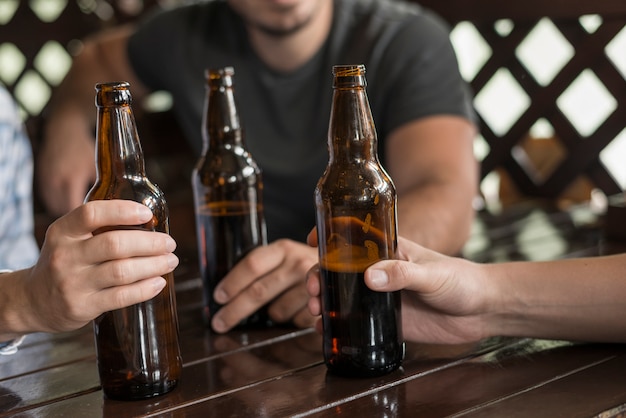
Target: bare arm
(78, 275)
(451, 300)
(433, 167)
(574, 299)
(66, 162)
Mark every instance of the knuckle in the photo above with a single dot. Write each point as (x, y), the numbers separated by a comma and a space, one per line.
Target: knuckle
(283, 314)
(53, 231)
(304, 319)
(56, 260)
(112, 244)
(253, 265)
(122, 298)
(402, 271)
(283, 244)
(118, 299)
(75, 313)
(259, 291)
(87, 213)
(119, 271)
(303, 266)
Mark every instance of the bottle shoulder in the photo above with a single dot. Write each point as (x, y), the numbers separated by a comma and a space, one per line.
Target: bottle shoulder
(134, 188)
(232, 161)
(359, 174)
(140, 190)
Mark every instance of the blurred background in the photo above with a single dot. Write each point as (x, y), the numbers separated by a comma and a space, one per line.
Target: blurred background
(549, 80)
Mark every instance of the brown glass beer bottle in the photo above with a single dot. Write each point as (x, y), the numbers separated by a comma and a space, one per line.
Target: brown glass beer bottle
(227, 187)
(356, 224)
(137, 347)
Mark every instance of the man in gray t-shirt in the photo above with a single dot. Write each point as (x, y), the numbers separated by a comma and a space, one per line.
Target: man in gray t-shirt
(283, 53)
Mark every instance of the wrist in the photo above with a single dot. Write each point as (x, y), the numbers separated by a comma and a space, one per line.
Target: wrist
(10, 346)
(499, 299)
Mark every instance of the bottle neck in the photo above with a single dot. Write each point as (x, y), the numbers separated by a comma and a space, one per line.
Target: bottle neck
(222, 126)
(118, 150)
(351, 132)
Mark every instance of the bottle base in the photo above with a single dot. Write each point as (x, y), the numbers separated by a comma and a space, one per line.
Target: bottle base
(367, 364)
(361, 372)
(139, 392)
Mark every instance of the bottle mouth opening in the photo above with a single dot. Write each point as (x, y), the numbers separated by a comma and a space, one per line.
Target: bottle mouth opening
(348, 70)
(222, 77)
(348, 76)
(112, 85)
(113, 93)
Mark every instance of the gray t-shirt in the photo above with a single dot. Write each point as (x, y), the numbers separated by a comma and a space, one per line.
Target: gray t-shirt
(412, 72)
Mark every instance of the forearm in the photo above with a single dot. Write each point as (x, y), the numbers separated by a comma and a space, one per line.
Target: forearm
(437, 215)
(577, 299)
(102, 59)
(15, 308)
(432, 164)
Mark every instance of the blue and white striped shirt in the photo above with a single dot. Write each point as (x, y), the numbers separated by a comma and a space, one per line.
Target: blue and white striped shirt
(18, 247)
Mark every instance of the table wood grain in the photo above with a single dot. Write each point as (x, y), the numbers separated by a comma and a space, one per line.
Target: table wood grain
(279, 371)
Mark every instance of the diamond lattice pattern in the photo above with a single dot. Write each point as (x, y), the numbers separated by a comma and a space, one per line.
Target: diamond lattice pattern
(548, 84)
(567, 74)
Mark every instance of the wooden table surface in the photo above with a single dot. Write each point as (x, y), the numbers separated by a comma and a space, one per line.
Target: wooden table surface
(280, 372)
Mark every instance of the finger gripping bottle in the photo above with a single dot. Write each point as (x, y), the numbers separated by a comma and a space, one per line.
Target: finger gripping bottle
(227, 186)
(137, 346)
(356, 224)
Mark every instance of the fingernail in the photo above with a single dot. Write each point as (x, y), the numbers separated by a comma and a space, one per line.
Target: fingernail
(220, 296)
(158, 284)
(172, 261)
(170, 244)
(144, 211)
(379, 278)
(218, 325)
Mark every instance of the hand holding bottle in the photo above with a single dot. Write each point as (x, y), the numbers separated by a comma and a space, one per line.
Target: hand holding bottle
(137, 346)
(355, 203)
(438, 306)
(451, 300)
(80, 275)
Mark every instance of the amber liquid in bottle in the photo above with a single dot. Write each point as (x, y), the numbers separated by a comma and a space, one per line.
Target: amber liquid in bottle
(137, 347)
(356, 223)
(227, 186)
